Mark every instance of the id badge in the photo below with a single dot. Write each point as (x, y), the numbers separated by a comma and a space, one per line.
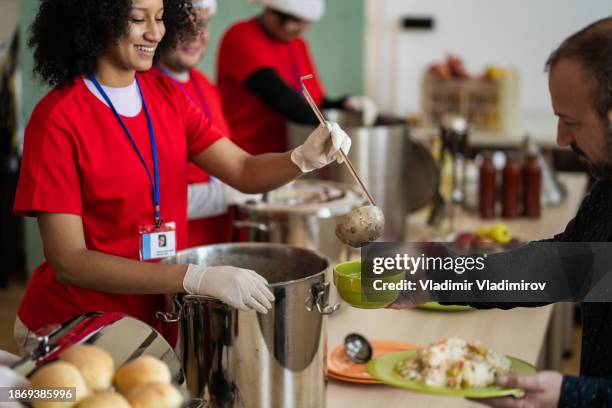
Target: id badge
(156, 243)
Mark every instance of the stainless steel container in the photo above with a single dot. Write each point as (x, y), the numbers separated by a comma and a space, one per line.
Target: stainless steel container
(245, 359)
(399, 172)
(122, 336)
(303, 213)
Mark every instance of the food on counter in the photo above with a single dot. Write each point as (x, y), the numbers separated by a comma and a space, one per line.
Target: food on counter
(501, 233)
(95, 364)
(454, 363)
(106, 399)
(58, 374)
(466, 238)
(142, 370)
(155, 395)
(453, 67)
(496, 233)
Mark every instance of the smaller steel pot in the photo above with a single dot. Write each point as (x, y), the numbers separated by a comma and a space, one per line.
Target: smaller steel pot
(303, 213)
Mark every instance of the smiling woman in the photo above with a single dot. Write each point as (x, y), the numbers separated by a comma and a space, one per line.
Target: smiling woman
(69, 37)
(104, 167)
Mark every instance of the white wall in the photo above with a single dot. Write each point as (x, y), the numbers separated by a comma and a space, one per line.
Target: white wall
(521, 33)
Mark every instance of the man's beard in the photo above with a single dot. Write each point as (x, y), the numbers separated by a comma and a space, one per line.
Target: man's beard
(600, 171)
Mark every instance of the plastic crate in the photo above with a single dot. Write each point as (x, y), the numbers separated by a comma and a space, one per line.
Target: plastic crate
(488, 105)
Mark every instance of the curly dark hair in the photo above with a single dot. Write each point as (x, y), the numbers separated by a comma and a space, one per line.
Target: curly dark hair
(592, 47)
(68, 36)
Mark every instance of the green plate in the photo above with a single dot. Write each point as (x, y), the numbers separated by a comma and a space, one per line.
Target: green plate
(383, 369)
(435, 306)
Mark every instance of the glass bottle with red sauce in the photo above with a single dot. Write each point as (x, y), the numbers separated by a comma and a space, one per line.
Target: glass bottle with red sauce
(532, 181)
(486, 192)
(511, 188)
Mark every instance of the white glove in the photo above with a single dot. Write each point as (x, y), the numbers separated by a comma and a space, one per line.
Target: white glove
(365, 105)
(241, 288)
(322, 147)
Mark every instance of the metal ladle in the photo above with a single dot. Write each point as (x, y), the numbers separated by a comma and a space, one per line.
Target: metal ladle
(358, 348)
(362, 225)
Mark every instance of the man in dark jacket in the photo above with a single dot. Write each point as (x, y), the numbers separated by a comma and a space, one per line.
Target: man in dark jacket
(580, 83)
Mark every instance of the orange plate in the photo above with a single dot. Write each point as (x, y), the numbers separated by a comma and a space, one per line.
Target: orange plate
(352, 380)
(339, 366)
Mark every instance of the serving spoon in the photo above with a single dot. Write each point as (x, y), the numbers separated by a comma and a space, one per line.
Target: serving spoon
(357, 348)
(364, 224)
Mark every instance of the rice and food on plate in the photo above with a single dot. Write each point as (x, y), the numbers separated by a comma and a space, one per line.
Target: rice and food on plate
(454, 363)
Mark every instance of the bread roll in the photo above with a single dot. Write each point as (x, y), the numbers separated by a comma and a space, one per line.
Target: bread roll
(143, 370)
(58, 374)
(106, 399)
(94, 363)
(155, 395)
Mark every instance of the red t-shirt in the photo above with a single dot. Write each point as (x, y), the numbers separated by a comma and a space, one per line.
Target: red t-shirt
(209, 230)
(78, 160)
(245, 49)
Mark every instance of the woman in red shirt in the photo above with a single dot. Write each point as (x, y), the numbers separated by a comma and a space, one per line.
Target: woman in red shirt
(105, 166)
(208, 199)
(259, 66)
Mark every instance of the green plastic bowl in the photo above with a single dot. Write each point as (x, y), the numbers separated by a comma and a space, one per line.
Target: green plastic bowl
(347, 278)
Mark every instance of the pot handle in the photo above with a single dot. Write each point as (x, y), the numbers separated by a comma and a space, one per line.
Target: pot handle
(174, 315)
(319, 297)
(239, 224)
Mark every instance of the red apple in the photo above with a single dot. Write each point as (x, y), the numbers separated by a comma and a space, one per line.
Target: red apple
(466, 238)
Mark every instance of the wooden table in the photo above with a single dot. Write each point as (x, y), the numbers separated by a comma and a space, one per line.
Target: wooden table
(520, 332)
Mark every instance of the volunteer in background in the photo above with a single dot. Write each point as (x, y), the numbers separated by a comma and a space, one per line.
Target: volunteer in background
(208, 198)
(105, 166)
(259, 66)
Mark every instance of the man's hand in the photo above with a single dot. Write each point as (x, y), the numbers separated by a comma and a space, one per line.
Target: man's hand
(542, 390)
(405, 301)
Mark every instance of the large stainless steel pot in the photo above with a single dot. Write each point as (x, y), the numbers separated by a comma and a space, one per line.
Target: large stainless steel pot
(399, 172)
(303, 213)
(124, 337)
(245, 359)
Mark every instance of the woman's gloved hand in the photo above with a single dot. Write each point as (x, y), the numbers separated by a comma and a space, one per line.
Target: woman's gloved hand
(365, 106)
(322, 147)
(240, 288)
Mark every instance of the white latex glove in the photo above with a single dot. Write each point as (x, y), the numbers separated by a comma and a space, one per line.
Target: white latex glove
(241, 288)
(322, 147)
(365, 105)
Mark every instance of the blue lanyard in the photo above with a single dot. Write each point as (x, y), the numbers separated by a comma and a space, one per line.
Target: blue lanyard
(155, 185)
(201, 97)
